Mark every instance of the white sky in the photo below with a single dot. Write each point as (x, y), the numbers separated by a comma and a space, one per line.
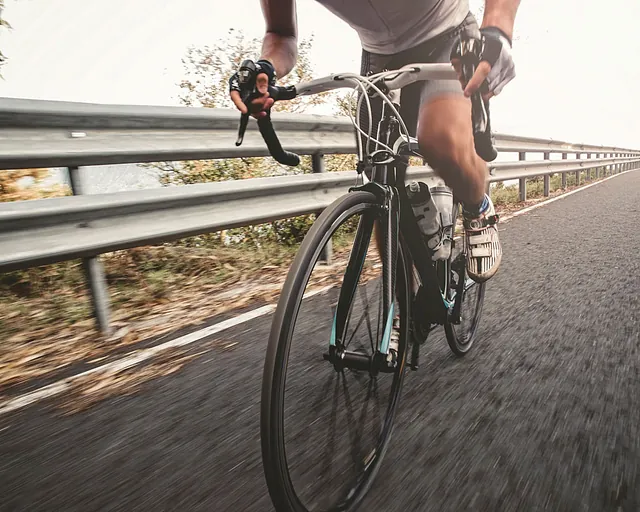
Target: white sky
(576, 59)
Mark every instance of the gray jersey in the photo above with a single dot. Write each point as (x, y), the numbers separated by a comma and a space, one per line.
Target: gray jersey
(391, 26)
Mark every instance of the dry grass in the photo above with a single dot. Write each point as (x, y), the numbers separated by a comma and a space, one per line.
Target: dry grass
(46, 322)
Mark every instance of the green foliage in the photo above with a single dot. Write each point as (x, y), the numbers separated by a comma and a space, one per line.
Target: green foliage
(292, 231)
(503, 196)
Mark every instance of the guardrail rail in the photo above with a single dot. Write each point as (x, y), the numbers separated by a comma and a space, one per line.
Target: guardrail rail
(63, 134)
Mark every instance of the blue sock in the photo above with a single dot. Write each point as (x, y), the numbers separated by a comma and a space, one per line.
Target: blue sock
(476, 210)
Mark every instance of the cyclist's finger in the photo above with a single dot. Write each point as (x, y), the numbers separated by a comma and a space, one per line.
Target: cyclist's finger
(487, 96)
(263, 102)
(478, 77)
(259, 106)
(262, 83)
(237, 101)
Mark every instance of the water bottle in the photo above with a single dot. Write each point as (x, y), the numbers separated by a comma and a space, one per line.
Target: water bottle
(443, 199)
(428, 218)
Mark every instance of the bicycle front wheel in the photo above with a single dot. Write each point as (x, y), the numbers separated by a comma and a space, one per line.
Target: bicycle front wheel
(326, 424)
(468, 296)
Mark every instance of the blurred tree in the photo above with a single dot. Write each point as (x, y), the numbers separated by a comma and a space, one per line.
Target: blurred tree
(22, 184)
(206, 84)
(3, 24)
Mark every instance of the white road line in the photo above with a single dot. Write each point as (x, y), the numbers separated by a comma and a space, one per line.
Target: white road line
(143, 355)
(131, 360)
(34, 396)
(140, 356)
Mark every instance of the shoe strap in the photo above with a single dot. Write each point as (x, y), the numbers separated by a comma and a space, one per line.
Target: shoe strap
(481, 223)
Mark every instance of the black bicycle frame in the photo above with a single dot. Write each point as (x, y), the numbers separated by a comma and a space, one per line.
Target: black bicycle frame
(399, 227)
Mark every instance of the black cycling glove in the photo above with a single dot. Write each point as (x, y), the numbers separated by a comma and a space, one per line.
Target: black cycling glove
(496, 50)
(262, 66)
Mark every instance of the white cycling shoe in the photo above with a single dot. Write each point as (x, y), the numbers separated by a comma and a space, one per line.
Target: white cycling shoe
(484, 252)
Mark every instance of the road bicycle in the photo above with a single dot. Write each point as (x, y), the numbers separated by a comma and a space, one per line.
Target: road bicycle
(416, 295)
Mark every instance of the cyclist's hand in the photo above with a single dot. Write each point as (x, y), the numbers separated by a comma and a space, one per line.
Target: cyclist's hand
(496, 67)
(261, 101)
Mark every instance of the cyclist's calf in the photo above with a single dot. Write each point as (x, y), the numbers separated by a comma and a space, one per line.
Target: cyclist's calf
(445, 135)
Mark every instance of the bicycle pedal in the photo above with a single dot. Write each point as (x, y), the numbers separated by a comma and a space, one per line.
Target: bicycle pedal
(393, 362)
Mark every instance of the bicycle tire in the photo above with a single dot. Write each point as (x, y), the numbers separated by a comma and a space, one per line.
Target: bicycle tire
(461, 342)
(278, 478)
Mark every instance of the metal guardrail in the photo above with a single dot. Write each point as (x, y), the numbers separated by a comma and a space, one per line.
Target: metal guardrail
(62, 134)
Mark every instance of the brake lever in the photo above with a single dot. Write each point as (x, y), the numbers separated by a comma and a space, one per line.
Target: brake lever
(469, 52)
(247, 74)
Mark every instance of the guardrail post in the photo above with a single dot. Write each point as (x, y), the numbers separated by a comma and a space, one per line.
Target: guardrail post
(613, 167)
(547, 178)
(564, 174)
(597, 156)
(317, 166)
(93, 270)
(522, 182)
(577, 172)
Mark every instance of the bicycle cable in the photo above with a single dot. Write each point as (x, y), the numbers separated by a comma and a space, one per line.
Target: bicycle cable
(364, 84)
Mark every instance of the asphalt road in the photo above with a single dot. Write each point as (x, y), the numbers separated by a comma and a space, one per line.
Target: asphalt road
(544, 414)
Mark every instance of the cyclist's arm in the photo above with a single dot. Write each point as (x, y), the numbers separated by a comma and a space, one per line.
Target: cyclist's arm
(280, 44)
(500, 14)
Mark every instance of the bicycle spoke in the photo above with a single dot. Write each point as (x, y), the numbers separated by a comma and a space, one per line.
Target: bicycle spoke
(355, 446)
(369, 331)
(379, 320)
(364, 313)
(331, 437)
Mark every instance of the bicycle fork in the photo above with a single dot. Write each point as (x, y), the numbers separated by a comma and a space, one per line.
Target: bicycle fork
(338, 354)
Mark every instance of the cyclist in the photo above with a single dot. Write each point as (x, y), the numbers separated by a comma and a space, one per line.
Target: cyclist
(400, 32)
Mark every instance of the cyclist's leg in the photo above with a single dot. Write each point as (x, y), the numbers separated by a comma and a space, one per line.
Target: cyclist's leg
(445, 134)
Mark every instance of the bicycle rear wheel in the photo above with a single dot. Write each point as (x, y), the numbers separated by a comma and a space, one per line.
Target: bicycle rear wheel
(325, 428)
(462, 325)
